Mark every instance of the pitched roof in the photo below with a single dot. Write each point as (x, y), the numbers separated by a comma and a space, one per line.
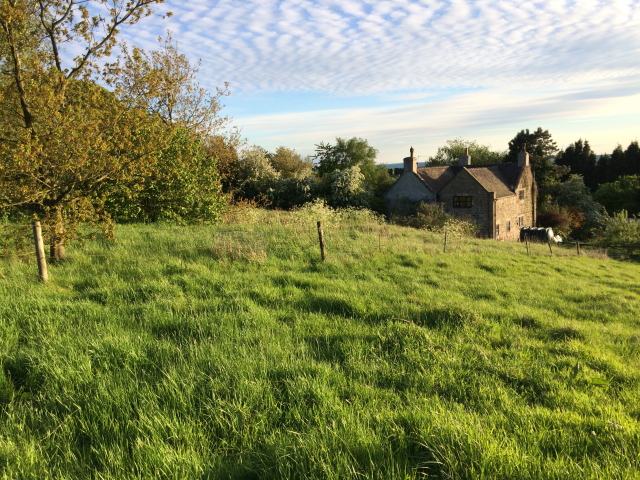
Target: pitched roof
(501, 178)
(436, 177)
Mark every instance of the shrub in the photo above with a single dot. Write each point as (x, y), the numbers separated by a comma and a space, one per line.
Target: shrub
(619, 230)
(553, 220)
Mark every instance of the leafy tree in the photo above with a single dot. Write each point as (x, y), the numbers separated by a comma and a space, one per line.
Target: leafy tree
(347, 188)
(542, 149)
(450, 153)
(618, 230)
(581, 160)
(345, 154)
(290, 164)
(576, 197)
(62, 135)
(623, 194)
(184, 186)
(349, 153)
(256, 175)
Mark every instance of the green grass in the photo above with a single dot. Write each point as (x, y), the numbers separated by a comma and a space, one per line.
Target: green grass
(233, 352)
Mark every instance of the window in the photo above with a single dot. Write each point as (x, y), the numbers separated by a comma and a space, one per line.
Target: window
(462, 202)
(497, 230)
(520, 221)
(508, 226)
(521, 194)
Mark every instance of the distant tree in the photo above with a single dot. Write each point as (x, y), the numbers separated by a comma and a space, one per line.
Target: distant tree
(256, 175)
(345, 154)
(347, 188)
(623, 194)
(618, 230)
(576, 197)
(542, 150)
(450, 153)
(632, 159)
(349, 153)
(290, 164)
(554, 220)
(581, 160)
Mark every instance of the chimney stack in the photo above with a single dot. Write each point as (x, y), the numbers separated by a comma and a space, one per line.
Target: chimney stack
(523, 157)
(466, 158)
(411, 163)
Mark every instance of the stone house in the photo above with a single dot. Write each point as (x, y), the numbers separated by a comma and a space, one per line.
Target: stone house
(500, 198)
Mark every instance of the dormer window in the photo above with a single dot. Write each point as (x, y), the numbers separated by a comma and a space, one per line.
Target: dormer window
(521, 194)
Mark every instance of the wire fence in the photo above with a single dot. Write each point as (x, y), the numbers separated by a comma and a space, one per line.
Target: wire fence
(289, 240)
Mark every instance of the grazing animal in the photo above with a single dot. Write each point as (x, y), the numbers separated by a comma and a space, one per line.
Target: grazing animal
(541, 235)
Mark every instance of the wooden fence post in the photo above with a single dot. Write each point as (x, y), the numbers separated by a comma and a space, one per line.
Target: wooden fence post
(526, 239)
(578, 248)
(42, 261)
(445, 242)
(323, 253)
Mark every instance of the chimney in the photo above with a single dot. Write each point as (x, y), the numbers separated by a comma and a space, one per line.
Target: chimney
(523, 157)
(411, 163)
(466, 158)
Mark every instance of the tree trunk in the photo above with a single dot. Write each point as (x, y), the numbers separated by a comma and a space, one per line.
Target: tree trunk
(56, 249)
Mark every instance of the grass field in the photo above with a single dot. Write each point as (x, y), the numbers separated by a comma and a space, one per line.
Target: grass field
(233, 352)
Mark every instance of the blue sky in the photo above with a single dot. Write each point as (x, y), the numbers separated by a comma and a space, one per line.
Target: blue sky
(414, 72)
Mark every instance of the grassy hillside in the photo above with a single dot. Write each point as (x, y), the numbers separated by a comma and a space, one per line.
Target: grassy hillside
(233, 352)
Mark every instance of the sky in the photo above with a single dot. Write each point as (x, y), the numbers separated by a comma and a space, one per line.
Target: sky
(415, 73)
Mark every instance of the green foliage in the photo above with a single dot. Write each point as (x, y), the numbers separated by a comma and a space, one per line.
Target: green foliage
(574, 194)
(623, 194)
(619, 230)
(346, 154)
(179, 353)
(581, 160)
(256, 175)
(450, 154)
(290, 164)
(347, 188)
(183, 187)
(542, 149)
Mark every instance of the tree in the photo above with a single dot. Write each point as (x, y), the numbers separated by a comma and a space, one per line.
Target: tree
(349, 153)
(450, 153)
(576, 198)
(345, 154)
(183, 186)
(290, 164)
(623, 194)
(256, 175)
(582, 161)
(542, 149)
(618, 230)
(63, 135)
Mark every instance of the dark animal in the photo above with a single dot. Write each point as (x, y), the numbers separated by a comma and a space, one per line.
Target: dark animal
(533, 234)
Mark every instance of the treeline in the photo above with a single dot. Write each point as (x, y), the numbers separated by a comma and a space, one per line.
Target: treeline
(343, 174)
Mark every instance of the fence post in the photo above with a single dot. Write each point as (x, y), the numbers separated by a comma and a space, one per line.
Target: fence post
(526, 239)
(445, 241)
(323, 253)
(42, 261)
(578, 248)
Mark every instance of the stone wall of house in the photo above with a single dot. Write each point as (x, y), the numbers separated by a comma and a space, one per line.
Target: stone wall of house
(409, 187)
(512, 212)
(482, 209)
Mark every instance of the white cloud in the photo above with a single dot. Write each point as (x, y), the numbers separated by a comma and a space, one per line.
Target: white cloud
(364, 46)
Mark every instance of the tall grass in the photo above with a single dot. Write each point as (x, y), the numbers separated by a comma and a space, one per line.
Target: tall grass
(234, 352)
